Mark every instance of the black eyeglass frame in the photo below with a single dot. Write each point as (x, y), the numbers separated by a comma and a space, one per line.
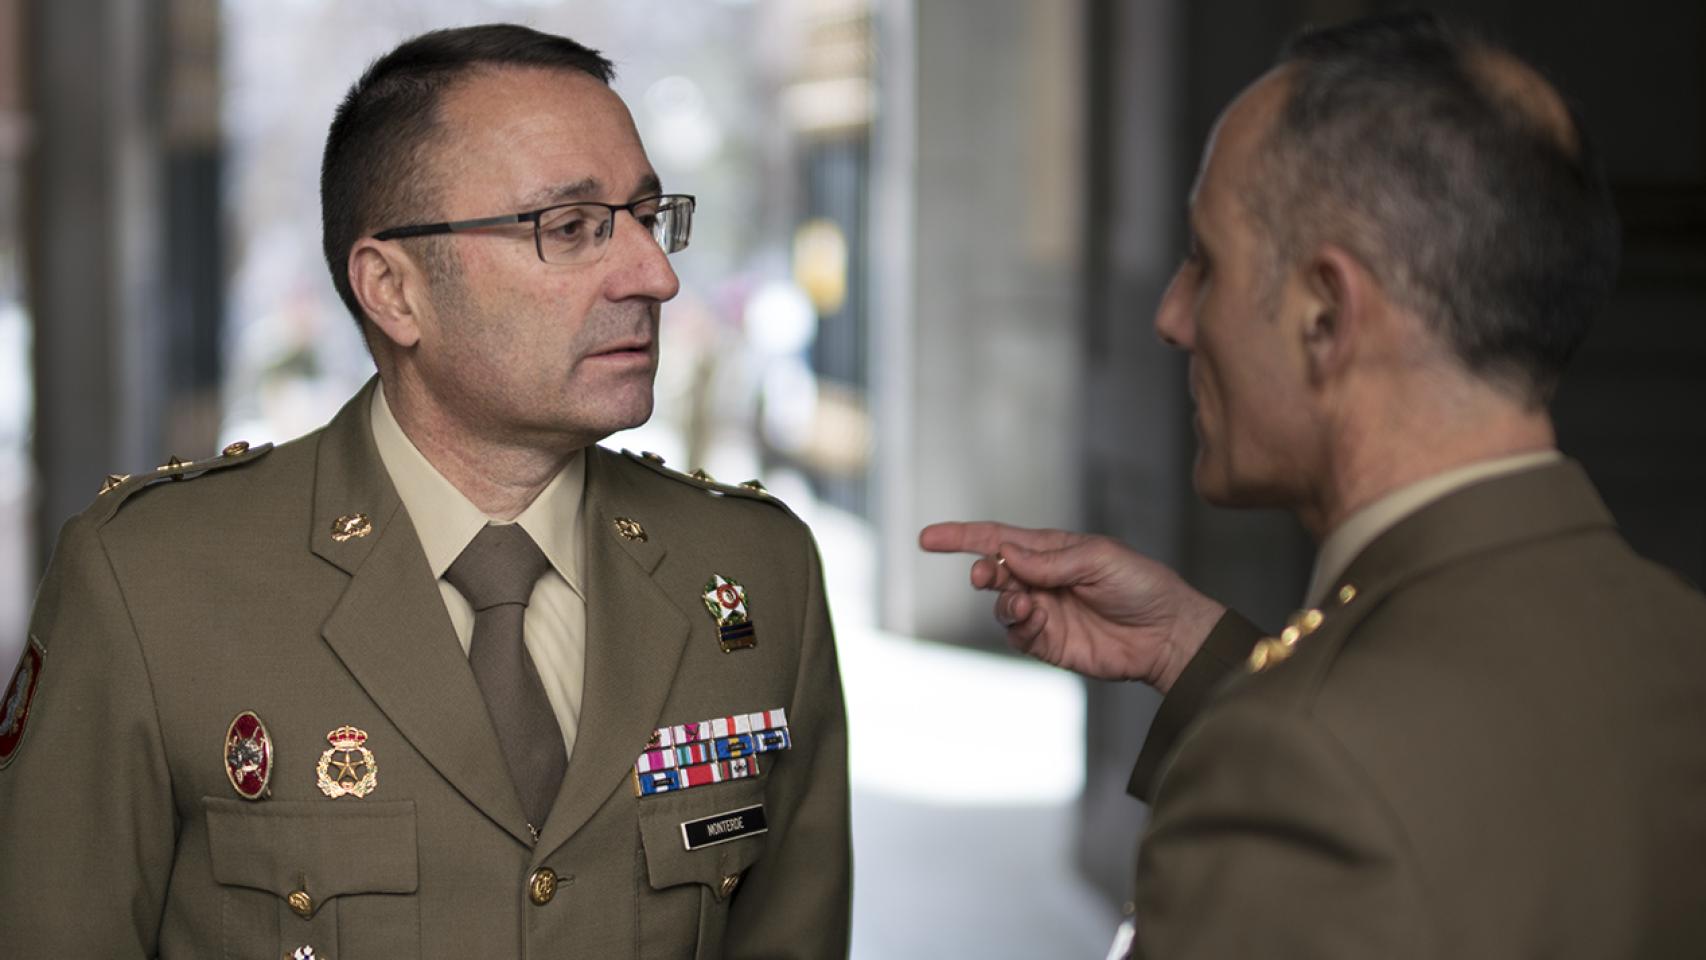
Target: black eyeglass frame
(674, 200)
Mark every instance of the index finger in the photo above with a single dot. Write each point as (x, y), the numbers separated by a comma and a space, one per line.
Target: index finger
(987, 536)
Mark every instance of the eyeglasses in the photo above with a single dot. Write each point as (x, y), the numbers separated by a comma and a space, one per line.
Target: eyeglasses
(570, 233)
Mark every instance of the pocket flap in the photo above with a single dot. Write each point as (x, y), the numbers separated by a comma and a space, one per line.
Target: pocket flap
(724, 810)
(284, 845)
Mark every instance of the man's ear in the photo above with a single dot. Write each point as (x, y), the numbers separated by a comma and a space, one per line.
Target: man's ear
(1340, 296)
(388, 284)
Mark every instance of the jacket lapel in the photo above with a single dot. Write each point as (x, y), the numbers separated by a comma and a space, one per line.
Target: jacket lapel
(390, 628)
(635, 635)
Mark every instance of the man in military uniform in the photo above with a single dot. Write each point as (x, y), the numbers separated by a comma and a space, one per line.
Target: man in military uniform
(1481, 738)
(443, 679)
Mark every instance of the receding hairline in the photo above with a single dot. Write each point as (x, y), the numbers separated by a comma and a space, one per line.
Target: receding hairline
(1521, 88)
(432, 148)
(1253, 117)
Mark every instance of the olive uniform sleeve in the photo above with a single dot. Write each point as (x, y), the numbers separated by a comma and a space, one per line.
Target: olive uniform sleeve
(87, 824)
(1267, 840)
(796, 901)
(1226, 646)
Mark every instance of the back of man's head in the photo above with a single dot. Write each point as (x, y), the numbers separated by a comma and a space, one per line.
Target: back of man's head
(377, 170)
(1457, 176)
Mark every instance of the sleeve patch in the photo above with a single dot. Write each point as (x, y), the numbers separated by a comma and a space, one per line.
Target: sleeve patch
(20, 693)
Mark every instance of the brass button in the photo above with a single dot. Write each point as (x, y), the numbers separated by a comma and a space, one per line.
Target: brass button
(236, 449)
(1267, 652)
(1258, 656)
(542, 886)
(1311, 621)
(702, 476)
(1347, 593)
(728, 885)
(755, 487)
(651, 457)
(112, 481)
(301, 903)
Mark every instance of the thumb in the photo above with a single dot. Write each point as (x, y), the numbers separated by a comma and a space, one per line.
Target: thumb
(1050, 569)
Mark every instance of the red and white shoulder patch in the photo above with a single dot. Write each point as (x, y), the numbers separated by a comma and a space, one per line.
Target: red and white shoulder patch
(20, 693)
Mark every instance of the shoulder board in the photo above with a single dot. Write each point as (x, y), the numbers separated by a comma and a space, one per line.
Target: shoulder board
(749, 490)
(118, 487)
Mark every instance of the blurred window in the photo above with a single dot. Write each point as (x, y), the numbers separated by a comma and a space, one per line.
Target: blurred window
(17, 396)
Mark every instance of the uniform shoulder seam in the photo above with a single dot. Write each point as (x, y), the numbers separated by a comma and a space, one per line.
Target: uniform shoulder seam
(118, 488)
(704, 482)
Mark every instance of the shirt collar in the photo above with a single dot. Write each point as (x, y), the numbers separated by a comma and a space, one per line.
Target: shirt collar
(552, 519)
(1362, 527)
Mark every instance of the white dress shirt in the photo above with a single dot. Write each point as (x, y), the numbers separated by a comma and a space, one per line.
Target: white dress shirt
(554, 628)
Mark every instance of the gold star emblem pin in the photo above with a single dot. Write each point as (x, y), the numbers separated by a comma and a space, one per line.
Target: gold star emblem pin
(349, 768)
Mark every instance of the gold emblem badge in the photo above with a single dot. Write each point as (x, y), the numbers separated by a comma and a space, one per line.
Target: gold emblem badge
(351, 526)
(348, 768)
(630, 530)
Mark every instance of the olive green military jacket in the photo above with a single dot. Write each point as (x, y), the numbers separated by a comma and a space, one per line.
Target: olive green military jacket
(169, 608)
(1491, 747)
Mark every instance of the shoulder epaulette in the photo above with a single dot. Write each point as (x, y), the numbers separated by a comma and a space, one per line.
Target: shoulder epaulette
(747, 490)
(118, 487)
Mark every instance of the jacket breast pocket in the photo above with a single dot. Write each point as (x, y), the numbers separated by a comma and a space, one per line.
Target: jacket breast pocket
(697, 844)
(340, 878)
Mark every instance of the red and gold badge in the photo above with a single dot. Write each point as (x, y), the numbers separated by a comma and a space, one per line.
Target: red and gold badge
(20, 693)
(248, 756)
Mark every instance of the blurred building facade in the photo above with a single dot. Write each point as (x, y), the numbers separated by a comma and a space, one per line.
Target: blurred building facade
(931, 234)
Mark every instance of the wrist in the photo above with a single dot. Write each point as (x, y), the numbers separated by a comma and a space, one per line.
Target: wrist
(1195, 621)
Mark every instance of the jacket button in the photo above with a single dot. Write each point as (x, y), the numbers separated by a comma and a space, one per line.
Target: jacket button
(301, 903)
(542, 886)
(728, 886)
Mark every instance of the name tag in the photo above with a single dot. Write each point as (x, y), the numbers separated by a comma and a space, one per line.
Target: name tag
(723, 827)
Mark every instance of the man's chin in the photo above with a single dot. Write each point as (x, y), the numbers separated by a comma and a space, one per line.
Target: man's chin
(1228, 494)
(1217, 486)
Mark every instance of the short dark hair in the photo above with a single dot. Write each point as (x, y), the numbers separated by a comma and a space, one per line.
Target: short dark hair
(1399, 142)
(376, 170)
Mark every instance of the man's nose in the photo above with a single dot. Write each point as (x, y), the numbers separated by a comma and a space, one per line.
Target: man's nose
(1174, 320)
(642, 269)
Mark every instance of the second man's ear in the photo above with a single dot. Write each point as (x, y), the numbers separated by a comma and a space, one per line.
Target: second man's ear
(1337, 305)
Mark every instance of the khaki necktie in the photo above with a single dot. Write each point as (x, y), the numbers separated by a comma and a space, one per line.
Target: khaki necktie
(496, 573)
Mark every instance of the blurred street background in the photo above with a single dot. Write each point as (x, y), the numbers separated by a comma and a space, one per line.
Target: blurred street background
(929, 238)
